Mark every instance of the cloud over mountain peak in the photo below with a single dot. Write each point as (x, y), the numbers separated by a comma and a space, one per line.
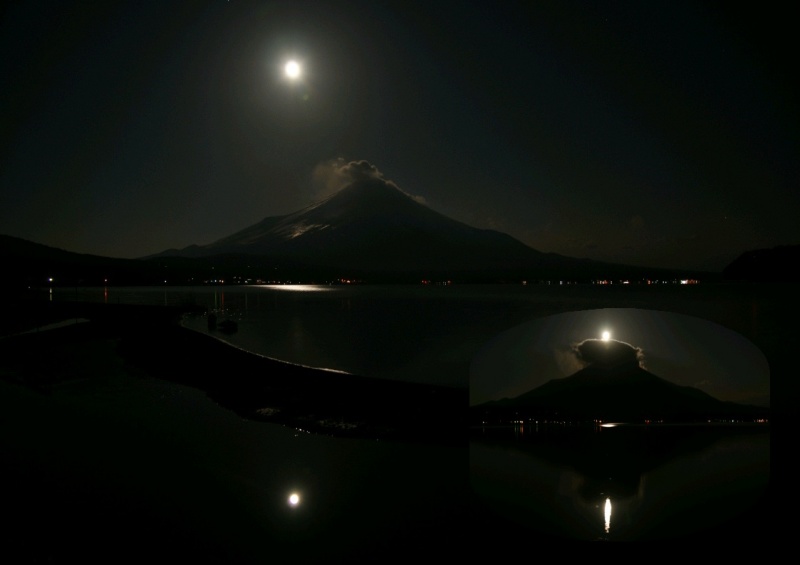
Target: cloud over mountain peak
(335, 174)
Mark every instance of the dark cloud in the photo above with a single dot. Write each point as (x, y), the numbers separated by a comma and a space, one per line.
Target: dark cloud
(609, 353)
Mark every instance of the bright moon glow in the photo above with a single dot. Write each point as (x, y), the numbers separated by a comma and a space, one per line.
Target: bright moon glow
(606, 336)
(607, 514)
(292, 69)
(294, 499)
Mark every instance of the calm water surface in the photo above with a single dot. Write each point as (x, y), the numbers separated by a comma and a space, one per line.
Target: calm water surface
(424, 334)
(431, 334)
(116, 466)
(624, 484)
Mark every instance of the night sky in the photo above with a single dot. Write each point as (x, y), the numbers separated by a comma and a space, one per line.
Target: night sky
(648, 133)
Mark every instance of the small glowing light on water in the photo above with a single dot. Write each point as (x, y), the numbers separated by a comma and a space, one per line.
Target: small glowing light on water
(607, 514)
(606, 335)
(301, 287)
(294, 499)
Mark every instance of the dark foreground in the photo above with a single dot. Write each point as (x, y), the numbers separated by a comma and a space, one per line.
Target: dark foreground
(130, 439)
(255, 387)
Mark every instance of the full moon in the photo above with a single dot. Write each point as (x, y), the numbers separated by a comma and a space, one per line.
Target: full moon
(292, 69)
(606, 335)
(294, 499)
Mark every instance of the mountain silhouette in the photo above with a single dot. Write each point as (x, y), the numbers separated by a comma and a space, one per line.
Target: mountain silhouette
(370, 223)
(371, 228)
(30, 264)
(776, 264)
(614, 388)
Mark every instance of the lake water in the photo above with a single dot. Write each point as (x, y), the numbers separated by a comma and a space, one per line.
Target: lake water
(117, 467)
(512, 483)
(628, 483)
(431, 334)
